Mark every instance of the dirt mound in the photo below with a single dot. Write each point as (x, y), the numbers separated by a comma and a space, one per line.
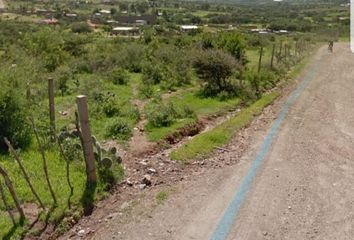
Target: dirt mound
(188, 130)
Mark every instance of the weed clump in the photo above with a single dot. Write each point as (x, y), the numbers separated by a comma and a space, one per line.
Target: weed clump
(118, 128)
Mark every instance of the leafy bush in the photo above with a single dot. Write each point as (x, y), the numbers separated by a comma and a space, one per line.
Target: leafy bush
(161, 115)
(13, 123)
(262, 81)
(110, 107)
(152, 73)
(129, 111)
(146, 90)
(132, 56)
(119, 128)
(80, 27)
(215, 69)
(109, 176)
(235, 44)
(63, 75)
(168, 66)
(48, 45)
(119, 76)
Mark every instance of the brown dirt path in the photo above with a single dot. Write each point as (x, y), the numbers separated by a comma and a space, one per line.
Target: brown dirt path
(303, 190)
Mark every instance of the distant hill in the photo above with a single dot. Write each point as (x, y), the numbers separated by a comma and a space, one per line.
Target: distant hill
(272, 1)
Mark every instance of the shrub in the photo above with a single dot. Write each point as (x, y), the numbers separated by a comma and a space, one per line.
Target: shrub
(131, 112)
(119, 76)
(131, 57)
(262, 81)
(80, 27)
(161, 115)
(13, 123)
(215, 69)
(110, 107)
(235, 44)
(119, 128)
(146, 90)
(63, 75)
(110, 176)
(152, 73)
(188, 112)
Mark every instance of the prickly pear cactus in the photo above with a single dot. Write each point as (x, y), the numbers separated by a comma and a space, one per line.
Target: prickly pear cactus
(107, 162)
(105, 158)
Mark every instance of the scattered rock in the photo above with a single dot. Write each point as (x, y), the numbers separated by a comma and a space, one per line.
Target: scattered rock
(64, 113)
(81, 233)
(265, 233)
(146, 180)
(144, 163)
(124, 205)
(142, 186)
(112, 215)
(152, 171)
(129, 183)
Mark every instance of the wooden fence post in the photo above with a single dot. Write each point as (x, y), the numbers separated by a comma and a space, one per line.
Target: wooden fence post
(13, 193)
(45, 165)
(296, 49)
(17, 158)
(260, 59)
(51, 106)
(272, 59)
(3, 197)
(86, 139)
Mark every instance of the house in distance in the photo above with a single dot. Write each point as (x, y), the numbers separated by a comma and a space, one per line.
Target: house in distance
(125, 31)
(189, 28)
(139, 20)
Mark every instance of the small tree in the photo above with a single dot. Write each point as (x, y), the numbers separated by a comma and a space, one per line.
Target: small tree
(13, 123)
(234, 44)
(215, 69)
(80, 27)
(63, 76)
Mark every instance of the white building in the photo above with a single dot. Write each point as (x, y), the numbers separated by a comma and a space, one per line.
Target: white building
(189, 28)
(125, 31)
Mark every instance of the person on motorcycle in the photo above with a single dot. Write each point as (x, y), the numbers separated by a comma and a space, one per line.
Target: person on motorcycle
(330, 46)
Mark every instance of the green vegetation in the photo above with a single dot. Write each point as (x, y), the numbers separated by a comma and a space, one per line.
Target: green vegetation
(34, 167)
(162, 196)
(204, 143)
(13, 122)
(161, 75)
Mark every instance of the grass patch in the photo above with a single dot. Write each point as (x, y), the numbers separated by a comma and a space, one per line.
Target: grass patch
(33, 165)
(204, 143)
(56, 167)
(204, 106)
(162, 196)
(252, 56)
(201, 106)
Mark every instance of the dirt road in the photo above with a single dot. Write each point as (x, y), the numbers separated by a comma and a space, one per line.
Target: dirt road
(302, 190)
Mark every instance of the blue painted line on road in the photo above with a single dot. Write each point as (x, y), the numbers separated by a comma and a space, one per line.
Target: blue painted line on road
(230, 215)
